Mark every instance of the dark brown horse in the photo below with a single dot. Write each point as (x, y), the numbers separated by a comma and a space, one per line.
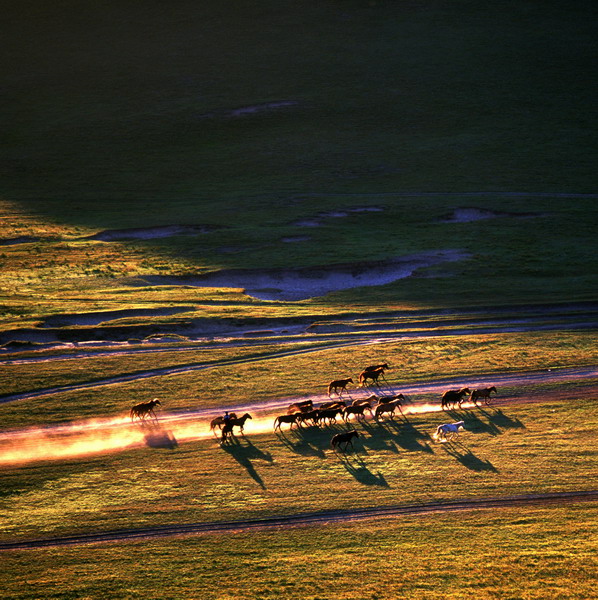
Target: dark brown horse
(304, 406)
(333, 404)
(220, 421)
(389, 407)
(293, 419)
(374, 375)
(453, 397)
(376, 367)
(481, 393)
(144, 410)
(343, 438)
(356, 409)
(329, 414)
(227, 428)
(311, 415)
(339, 384)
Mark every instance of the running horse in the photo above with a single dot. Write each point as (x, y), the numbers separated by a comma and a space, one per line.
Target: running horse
(356, 409)
(144, 409)
(339, 384)
(227, 428)
(220, 421)
(389, 407)
(482, 393)
(293, 419)
(448, 429)
(373, 374)
(344, 438)
(452, 397)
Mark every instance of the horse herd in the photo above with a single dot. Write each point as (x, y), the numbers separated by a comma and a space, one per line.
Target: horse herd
(305, 413)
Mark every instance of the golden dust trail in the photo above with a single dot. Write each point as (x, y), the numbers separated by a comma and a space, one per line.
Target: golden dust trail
(117, 434)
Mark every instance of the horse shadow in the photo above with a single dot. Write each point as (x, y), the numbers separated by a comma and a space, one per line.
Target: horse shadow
(467, 458)
(499, 419)
(356, 467)
(379, 438)
(305, 442)
(474, 423)
(156, 436)
(412, 439)
(244, 453)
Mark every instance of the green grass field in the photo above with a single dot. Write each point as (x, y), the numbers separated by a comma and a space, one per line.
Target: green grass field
(504, 554)
(376, 120)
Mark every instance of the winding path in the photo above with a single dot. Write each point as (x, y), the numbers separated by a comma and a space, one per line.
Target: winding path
(306, 519)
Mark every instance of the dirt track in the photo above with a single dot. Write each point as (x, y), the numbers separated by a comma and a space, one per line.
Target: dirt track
(319, 518)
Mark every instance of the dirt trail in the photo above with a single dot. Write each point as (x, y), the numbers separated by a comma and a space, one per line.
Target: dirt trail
(117, 434)
(303, 520)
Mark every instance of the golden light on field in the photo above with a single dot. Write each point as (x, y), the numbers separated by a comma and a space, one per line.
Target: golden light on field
(97, 436)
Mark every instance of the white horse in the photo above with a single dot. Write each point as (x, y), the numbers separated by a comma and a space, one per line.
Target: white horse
(448, 429)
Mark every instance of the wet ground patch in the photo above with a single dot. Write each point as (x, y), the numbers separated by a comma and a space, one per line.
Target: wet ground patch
(319, 219)
(150, 233)
(305, 283)
(471, 214)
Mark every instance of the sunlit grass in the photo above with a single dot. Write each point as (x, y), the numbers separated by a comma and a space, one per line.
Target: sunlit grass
(544, 553)
(511, 450)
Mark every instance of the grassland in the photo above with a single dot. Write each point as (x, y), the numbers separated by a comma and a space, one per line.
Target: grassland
(482, 106)
(228, 376)
(544, 553)
(251, 118)
(542, 447)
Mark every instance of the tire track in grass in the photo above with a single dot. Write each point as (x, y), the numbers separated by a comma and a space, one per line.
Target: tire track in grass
(304, 520)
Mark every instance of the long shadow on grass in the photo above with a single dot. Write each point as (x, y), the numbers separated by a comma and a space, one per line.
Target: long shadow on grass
(355, 465)
(485, 421)
(498, 418)
(466, 457)
(307, 441)
(243, 451)
(393, 434)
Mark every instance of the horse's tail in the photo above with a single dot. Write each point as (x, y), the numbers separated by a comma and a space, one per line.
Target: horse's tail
(330, 389)
(276, 423)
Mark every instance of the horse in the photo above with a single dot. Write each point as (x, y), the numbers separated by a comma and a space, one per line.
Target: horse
(376, 367)
(388, 407)
(220, 421)
(333, 404)
(482, 393)
(368, 400)
(329, 414)
(293, 419)
(303, 406)
(356, 409)
(143, 409)
(373, 375)
(343, 438)
(453, 397)
(339, 384)
(452, 429)
(312, 415)
(227, 428)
